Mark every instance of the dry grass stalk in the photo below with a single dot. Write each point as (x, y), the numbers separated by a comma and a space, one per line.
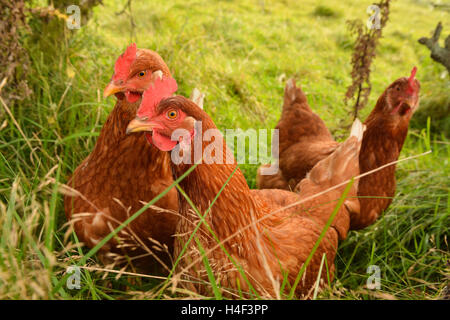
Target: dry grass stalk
(363, 53)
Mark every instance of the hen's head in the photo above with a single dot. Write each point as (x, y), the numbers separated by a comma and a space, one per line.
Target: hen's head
(134, 71)
(401, 98)
(171, 114)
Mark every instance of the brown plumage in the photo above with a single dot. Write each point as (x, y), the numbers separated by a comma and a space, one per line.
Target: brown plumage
(280, 243)
(272, 181)
(120, 172)
(387, 128)
(305, 140)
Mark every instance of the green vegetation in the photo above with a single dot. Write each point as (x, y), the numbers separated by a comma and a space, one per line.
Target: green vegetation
(323, 11)
(240, 54)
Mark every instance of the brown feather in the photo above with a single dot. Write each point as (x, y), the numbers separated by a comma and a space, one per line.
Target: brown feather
(305, 140)
(281, 242)
(121, 172)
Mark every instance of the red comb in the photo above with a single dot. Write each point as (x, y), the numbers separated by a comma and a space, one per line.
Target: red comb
(411, 80)
(160, 89)
(123, 63)
(413, 74)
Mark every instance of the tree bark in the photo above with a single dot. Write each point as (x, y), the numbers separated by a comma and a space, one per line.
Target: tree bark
(438, 53)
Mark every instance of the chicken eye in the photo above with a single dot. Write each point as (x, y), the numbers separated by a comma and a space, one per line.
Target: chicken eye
(398, 88)
(172, 114)
(141, 74)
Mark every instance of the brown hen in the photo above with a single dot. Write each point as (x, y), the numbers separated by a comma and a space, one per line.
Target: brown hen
(267, 241)
(121, 172)
(305, 140)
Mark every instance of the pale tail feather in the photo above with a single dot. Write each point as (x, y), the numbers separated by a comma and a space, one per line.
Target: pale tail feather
(197, 97)
(357, 129)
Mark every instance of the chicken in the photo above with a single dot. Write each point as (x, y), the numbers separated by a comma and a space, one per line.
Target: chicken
(107, 188)
(387, 127)
(305, 140)
(267, 241)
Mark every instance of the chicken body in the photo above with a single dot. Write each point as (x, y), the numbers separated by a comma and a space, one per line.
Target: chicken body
(267, 241)
(382, 142)
(112, 191)
(305, 140)
(112, 182)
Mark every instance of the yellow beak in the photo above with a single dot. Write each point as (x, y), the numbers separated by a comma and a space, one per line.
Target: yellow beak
(138, 124)
(112, 88)
(412, 101)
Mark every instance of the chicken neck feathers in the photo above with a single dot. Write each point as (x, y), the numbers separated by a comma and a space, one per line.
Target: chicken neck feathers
(126, 168)
(278, 243)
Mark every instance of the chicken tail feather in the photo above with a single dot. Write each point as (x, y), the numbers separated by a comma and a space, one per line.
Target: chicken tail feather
(197, 97)
(293, 93)
(338, 167)
(357, 129)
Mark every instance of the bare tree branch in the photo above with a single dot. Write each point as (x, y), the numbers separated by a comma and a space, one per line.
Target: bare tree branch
(438, 53)
(127, 10)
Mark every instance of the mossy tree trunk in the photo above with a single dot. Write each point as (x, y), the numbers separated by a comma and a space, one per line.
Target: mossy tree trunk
(27, 29)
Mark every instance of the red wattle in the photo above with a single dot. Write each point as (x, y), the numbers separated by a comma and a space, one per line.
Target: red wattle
(132, 96)
(162, 142)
